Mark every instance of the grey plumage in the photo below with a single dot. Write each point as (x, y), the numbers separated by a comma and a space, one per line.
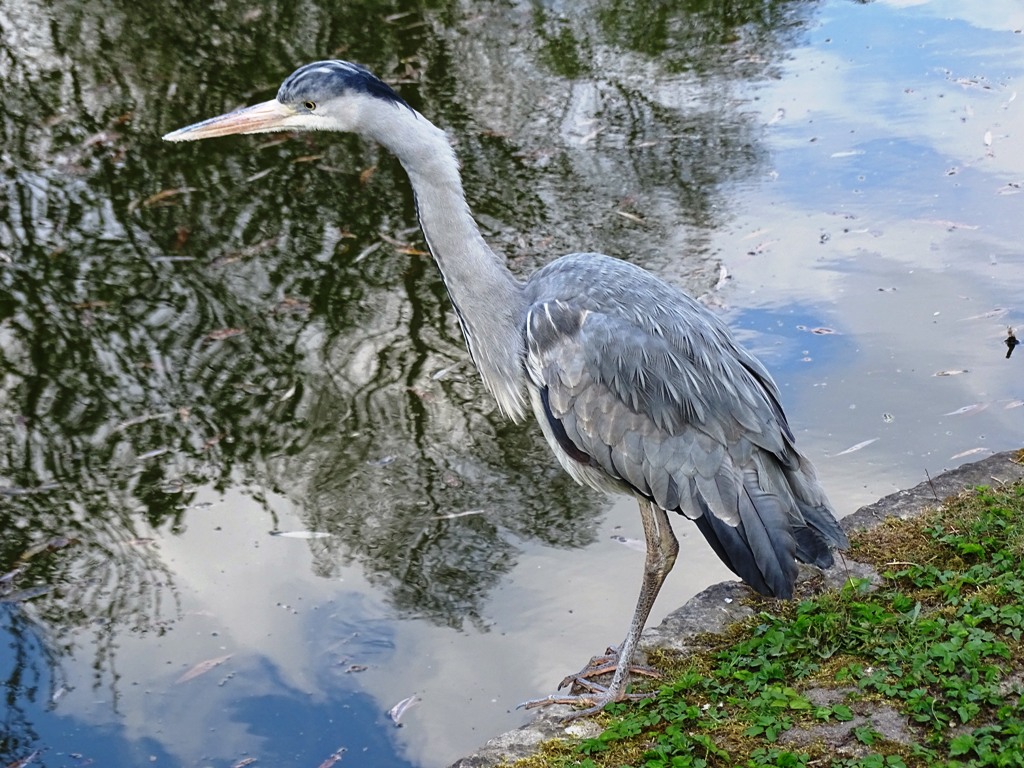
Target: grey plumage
(637, 387)
(644, 391)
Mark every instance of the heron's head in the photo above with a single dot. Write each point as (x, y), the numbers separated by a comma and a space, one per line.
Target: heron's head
(322, 96)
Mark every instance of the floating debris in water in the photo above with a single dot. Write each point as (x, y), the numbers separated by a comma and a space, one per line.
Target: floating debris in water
(143, 419)
(25, 761)
(973, 408)
(201, 505)
(292, 306)
(223, 333)
(857, 447)
(949, 226)
(87, 305)
(47, 545)
(997, 312)
(255, 249)
(301, 534)
(202, 668)
(396, 712)
(631, 217)
(954, 372)
(14, 490)
(333, 759)
(466, 513)
(1010, 342)
(259, 175)
(29, 593)
(366, 174)
(970, 452)
(445, 371)
(367, 251)
(819, 331)
(723, 277)
(636, 544)
(761, 247)
(164, 197)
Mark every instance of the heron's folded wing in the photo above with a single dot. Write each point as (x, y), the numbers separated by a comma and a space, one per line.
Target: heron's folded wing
(690, 425)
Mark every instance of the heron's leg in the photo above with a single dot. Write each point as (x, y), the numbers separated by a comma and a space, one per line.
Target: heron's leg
(662, 549)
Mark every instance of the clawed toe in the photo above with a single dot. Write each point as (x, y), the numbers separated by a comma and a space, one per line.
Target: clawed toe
(603, 665)
(591, 703)
(584, 691)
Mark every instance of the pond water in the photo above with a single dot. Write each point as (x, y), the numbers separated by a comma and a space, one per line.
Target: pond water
(252, 493)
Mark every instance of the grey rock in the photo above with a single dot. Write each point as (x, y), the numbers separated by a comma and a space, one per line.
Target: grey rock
(994, 471)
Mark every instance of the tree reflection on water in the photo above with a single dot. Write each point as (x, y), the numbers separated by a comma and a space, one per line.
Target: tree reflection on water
(261, 315)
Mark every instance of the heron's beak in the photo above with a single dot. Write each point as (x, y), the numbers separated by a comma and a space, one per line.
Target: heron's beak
(260, 118)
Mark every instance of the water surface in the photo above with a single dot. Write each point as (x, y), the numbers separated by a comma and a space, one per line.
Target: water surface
(205, 347)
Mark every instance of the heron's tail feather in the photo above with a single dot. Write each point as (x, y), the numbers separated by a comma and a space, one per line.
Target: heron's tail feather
(772, 533)
(820, 534)
(761, 548)
(729, 545)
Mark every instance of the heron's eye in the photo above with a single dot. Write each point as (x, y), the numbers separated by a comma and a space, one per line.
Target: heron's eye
(310, 105)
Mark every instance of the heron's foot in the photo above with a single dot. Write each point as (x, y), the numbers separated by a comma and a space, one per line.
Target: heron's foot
(602, 665)
(591, 703)
(584, 691)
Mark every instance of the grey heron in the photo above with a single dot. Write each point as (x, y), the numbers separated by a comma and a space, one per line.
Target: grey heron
(636, 386)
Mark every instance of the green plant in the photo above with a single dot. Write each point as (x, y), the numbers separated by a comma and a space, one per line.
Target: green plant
(940, 642)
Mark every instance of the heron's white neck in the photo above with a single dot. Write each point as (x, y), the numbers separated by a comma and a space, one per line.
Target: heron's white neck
(487, 298)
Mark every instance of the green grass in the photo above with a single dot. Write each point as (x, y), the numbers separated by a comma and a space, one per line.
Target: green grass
(938, 646)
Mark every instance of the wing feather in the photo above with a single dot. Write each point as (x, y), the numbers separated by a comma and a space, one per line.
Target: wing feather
(667, 406)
